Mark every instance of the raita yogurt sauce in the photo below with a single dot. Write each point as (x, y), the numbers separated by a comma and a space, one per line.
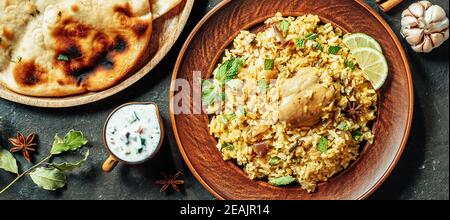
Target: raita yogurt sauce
(134, 132)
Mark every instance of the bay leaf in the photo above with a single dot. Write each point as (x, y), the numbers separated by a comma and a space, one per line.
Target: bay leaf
(48, 178)
(67, 166)
(8, 162)
(73, 140)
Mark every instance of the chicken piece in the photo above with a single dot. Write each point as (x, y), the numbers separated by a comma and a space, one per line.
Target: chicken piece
(303, 97)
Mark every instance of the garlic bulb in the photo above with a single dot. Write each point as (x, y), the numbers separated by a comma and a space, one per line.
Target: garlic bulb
(424, 26)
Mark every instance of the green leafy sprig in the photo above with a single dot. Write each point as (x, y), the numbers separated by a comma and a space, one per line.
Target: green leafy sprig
(49, 176)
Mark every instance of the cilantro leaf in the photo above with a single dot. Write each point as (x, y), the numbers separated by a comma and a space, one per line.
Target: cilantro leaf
(262, 85)
(269, 64)
(300, 43)
(311, 36)
(322, 146)
(229, 70)
(357, 135)
(242, 110)
(274, 161)
(334, 49)
(284, 26)
(349, 64)
(343, 126)
(62, 57)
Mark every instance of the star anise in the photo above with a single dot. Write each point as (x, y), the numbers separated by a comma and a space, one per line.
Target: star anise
(174, 182)
(353, 110)
(23, 144)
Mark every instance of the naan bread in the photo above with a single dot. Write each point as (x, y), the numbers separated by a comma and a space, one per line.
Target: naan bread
(161, 7)
(54, 48)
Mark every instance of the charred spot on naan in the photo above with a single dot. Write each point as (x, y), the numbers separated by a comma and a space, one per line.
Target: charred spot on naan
(126, 15)
(8, 34)
(79, 59)
(29, 74)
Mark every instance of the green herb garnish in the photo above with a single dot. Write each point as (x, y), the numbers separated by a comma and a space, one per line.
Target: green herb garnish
(343, 126)
(228, 146)
(269, 64)
(232, 116)
(262, 85)
(311, 36)
(210, 93)
(300, 43)
(322, 146)
(62, 57)
(242, 110)
(229, 70)
(143, 142)
(319, 46)
(18, 59)
(282, 181)
(284, 26)
(224, 119)
(334, 49)
(357, 135)
(274, 161)
(349, 64)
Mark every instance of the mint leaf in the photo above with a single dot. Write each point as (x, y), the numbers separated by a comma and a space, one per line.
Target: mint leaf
(269, 64)
(343, 126)
(284, 26)
(228, 146)
(73, 140)
(8, 162)
(71, 166)
(274, 161)
(62, 57)
(282, 181)
(311, 36)
(322, 146)
(48, 178)
(349, 64)
(242, 110)
(262, 85)
(209, 92)
(319, 46)
(334, 49)
(224, 119)
(229, 70)
(300, 43)
(357, 135)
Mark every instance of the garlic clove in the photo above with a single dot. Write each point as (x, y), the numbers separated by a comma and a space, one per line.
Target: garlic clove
(409, 22)
(406, 13)
(437, 39)
(417, 9)
(434, 13)
(413, 36)
(438, 26)
(425, 4)
(427, 44)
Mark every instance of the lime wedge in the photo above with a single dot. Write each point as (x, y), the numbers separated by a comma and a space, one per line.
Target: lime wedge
(373, 63)
(358, 40)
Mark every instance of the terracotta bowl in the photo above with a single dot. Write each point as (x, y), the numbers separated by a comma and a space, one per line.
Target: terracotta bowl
(204, 47)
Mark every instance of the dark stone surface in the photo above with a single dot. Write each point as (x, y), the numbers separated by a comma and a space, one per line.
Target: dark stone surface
(422, 173)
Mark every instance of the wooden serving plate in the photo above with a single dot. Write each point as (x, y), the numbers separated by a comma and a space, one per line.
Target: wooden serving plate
(205, 45)
(166, 31)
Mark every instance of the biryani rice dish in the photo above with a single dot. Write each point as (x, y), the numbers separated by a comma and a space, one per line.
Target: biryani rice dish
(296, 106)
